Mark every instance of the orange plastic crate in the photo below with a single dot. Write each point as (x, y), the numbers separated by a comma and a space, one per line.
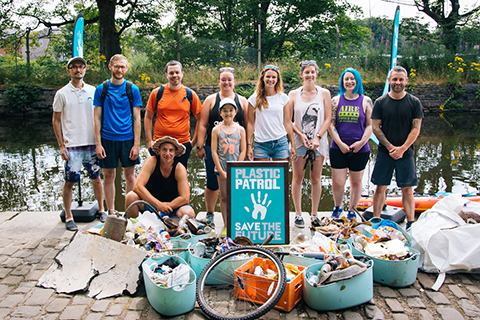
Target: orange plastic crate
(257, 288)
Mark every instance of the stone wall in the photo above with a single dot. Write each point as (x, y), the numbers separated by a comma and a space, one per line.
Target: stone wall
(431, 95)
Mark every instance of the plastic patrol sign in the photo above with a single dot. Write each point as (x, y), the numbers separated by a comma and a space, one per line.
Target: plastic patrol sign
(258, 202)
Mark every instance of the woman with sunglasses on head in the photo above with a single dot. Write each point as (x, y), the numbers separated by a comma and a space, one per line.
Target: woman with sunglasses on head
(209, 118)
(350, 129)
(312, 113)
(268, 119)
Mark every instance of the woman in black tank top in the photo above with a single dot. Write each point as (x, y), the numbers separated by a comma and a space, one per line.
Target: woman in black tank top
(209, 118)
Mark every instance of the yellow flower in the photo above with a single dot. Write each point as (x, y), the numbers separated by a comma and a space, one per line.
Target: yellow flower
(455, 161)
(412, 74)
(328, 65)
(460, 70)
(227, 64)
(221, 63)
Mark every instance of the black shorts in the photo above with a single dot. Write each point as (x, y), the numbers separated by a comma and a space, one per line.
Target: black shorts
(352, 161)
(117, 150)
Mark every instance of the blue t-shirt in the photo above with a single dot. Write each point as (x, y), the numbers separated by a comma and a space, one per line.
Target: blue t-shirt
(117, 117)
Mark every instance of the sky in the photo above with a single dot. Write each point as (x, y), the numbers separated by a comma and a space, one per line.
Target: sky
(381, 8)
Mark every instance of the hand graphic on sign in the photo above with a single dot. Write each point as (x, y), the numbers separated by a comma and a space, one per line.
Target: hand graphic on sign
(259, 207)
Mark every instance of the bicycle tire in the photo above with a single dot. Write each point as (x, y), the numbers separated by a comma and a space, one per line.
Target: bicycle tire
(226, 294)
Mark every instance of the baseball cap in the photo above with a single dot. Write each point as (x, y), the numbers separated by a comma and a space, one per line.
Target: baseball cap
(80, 59)
(226, 101)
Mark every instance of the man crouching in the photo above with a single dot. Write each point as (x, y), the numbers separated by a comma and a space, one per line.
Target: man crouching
(162, 182)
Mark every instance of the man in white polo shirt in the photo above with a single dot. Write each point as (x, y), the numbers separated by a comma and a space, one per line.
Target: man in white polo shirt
(74, 128)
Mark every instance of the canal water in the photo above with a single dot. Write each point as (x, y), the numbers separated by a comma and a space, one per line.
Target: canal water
(31, 174)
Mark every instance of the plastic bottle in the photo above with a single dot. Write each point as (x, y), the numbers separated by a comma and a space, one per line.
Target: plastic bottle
(397, 235)
(199, 249)
(299, 239)
(183, 221)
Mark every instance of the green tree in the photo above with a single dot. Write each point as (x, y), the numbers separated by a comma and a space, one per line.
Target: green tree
(282, 22)
(113, 17)
(446, 13)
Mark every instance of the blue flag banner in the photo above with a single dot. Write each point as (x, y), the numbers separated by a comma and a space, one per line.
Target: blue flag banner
(394, 53)
(258, 202)
(78, 36)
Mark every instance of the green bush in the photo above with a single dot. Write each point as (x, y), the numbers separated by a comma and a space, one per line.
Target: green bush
(22, 96)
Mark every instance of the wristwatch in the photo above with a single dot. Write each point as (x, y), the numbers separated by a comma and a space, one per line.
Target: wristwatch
(200, 148)
(319, 135)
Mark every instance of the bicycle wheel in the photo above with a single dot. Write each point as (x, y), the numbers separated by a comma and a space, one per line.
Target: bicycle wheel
(228, 289)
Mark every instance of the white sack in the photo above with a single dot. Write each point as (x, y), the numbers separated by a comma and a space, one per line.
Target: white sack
(445, 241)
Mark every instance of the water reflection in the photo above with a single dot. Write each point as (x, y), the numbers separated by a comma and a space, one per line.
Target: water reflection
(31, 175)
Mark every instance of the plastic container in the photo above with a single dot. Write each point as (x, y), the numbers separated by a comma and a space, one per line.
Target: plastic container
(192, 240)
(222, 275)
(180, 244)
(401, 273)
(172, 301)
(341, 294)
(291, 296)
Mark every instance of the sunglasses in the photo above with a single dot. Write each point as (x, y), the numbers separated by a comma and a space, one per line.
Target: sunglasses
(227, 69)
(306, 63)
(271, 66)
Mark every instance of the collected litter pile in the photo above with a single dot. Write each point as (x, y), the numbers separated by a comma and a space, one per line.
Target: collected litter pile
(170, 273)
(152, 236)
(386, 243)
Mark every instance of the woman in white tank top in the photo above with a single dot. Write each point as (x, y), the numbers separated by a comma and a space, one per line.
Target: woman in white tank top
(312, 114)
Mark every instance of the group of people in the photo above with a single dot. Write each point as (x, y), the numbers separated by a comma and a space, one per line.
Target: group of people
(104, 123)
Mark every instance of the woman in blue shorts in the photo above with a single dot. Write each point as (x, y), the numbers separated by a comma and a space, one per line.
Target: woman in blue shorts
(268, 119)
(209, 118)
(312, 114)
(350, 129)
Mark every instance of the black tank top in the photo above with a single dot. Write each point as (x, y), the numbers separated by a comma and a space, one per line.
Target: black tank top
(164, 189)
(214, 117)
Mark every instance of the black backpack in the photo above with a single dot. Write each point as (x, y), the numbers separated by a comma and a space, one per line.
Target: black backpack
(189, 96)
(128, 93)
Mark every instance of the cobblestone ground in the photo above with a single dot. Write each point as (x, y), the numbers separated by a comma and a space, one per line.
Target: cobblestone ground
(23, 262)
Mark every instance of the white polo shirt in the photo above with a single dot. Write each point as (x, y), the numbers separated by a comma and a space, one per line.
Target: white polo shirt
(76, 106)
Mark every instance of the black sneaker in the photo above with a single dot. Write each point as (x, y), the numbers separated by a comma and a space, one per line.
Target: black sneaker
(299, 223)
(409, 224)
(315, 221)
(70, 225)
(102, 216)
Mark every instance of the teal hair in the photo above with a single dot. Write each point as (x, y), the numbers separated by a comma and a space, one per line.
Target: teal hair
(358, 88)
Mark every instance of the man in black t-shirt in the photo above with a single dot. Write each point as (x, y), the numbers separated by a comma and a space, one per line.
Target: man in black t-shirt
(396, 121)
(162, 182)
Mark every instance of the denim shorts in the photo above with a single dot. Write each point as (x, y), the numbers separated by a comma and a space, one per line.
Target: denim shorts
(302, 151)
(405, 173)
(352, 161)
(79, 156)
(275, 149)
(117, 150)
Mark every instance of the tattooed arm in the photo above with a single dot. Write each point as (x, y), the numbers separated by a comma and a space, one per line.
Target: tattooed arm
(397, 152)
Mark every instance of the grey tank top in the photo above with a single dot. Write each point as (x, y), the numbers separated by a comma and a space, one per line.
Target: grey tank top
(228, 146)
